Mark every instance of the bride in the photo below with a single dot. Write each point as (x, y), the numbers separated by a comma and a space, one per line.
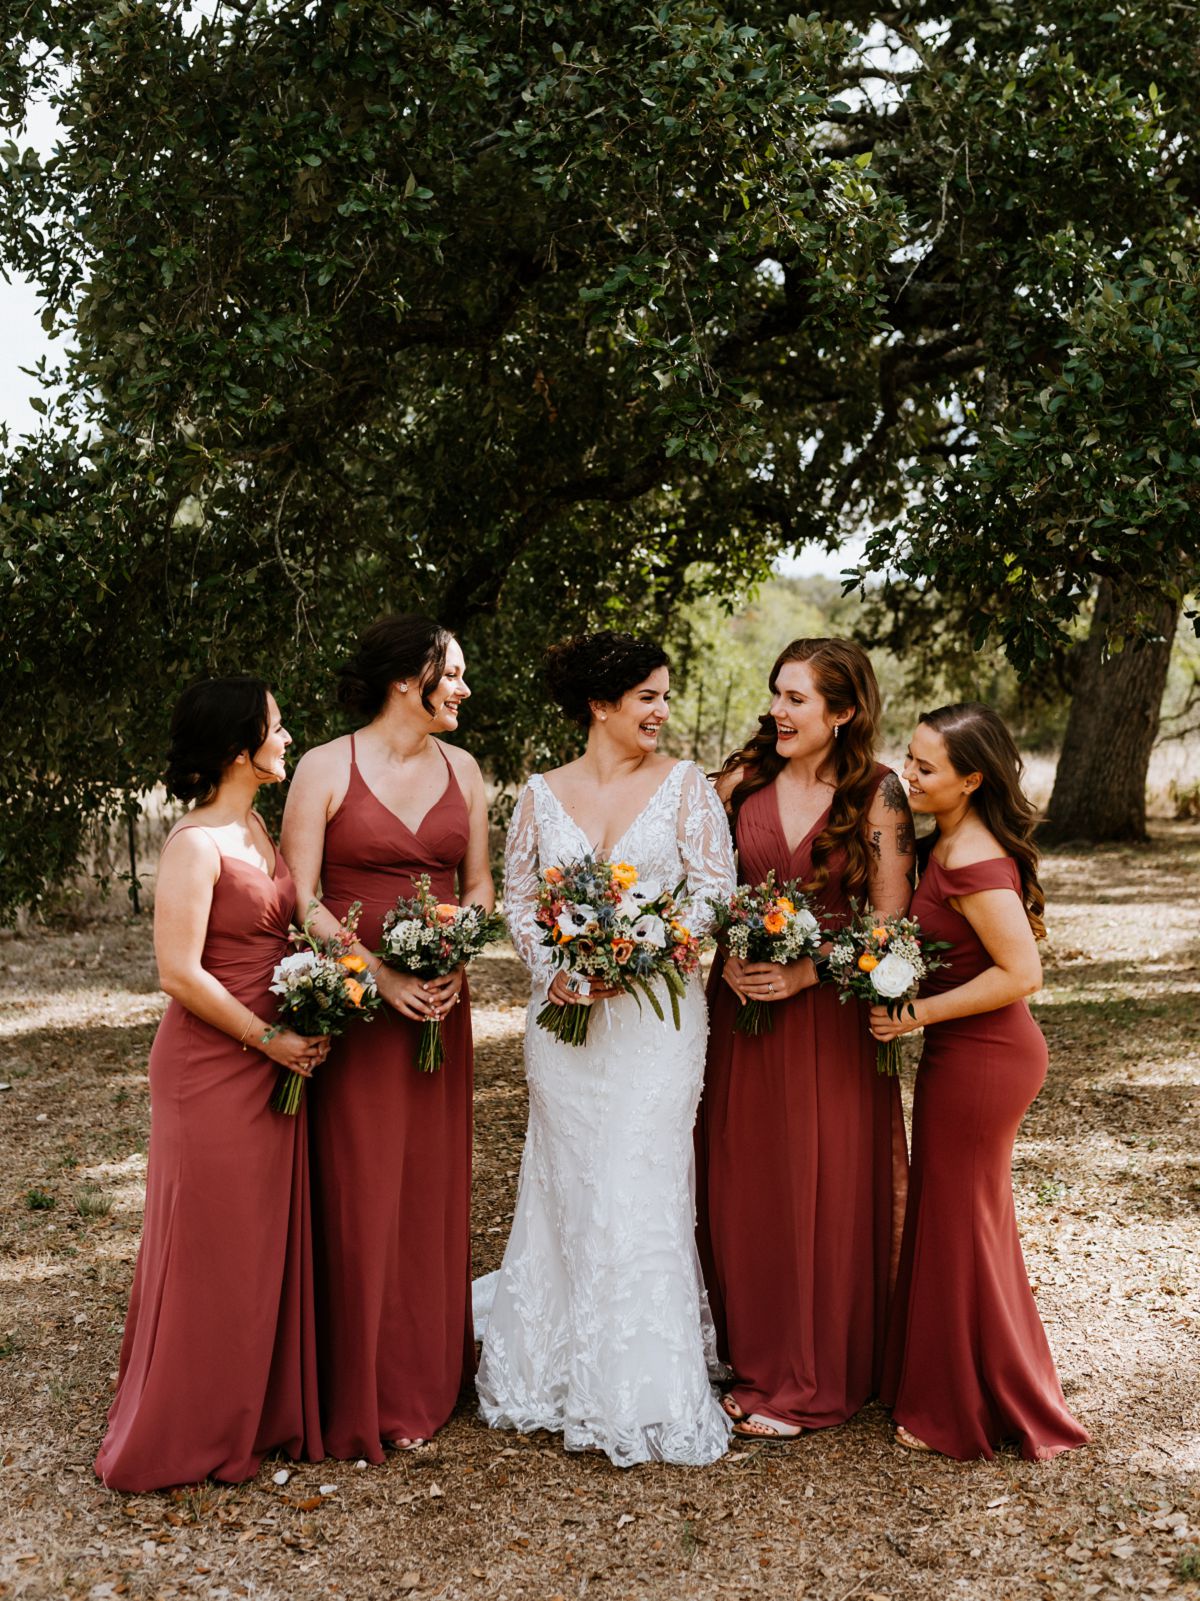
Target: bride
(599, 1327)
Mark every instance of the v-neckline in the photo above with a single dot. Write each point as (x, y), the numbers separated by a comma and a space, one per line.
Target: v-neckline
(413, 833)
(594, 850)
(794, 850)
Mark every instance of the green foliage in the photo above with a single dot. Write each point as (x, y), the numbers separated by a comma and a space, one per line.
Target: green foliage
(38, 1201)
(547, 316)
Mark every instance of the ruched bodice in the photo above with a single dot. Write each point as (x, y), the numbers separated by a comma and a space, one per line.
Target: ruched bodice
(373, 857)
(248, 929)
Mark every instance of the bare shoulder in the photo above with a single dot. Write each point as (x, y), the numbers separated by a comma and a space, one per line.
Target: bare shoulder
(192, 850)
(324, 765)
(466, 768)
(726, 783)
(889, 795)
(980, 845)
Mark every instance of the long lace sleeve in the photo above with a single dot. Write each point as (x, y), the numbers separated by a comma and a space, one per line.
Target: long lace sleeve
(705, 849)
(521, 887)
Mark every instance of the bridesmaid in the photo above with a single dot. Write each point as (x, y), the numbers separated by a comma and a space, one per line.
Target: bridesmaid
(218, 1364)
(800, 1142)
(366, 816)
(967, 1361)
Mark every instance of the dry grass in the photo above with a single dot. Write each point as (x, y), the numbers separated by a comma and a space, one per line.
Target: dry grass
(1108, 1186)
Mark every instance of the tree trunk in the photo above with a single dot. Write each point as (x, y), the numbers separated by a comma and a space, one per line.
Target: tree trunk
(1100, 786)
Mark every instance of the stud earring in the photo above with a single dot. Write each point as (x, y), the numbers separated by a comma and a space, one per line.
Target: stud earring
(404, 689)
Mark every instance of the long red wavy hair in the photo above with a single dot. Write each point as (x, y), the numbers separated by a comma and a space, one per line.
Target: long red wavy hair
(844, 677)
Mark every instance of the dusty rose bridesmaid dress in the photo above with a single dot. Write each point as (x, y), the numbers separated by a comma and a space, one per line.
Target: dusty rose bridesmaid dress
(967, 1362)
(392, 1160)
(218, 1364)
(801, 1175)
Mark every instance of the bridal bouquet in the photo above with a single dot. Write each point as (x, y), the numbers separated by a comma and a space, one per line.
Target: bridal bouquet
(322, 988)
(601, 923)
(766, 924)
(882, 960)
(429, 938)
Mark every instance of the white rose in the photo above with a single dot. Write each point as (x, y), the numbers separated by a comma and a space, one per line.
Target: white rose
(893, 977)
(806, 922)
(650, 930)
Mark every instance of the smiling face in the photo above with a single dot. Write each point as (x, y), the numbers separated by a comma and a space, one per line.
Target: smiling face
(450, 690)
(268, 760)
(804, 723)
(933, 785)
(635, 719)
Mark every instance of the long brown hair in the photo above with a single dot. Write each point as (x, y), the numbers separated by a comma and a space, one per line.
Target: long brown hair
(977, 741)
(845, 679)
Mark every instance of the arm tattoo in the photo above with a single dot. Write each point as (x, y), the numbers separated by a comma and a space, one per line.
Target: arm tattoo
(876, 843)
(892, 791)
(906, 839)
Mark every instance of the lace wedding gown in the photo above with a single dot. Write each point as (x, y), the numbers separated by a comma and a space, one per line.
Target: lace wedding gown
(599, 1326)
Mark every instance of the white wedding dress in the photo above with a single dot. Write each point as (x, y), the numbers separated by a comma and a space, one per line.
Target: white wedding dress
(598, 1324)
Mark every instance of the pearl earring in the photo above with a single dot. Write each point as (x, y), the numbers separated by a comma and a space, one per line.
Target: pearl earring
(837, 728)
(404, 689)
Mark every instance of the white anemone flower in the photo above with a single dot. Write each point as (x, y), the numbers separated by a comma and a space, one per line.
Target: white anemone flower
(573, 920)
(650, 930)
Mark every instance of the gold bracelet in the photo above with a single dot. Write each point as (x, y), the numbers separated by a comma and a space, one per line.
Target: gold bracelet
(246, 1030)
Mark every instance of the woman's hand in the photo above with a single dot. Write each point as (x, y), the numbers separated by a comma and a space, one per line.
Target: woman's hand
(775, 981)
(733, 971)
(885, 1028)
(560, 994)
(421, 1000)
(297, 1052)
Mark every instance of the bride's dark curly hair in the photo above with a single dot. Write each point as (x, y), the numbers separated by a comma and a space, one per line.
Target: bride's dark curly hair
(978, 741)
(844, 677)
(599, 667)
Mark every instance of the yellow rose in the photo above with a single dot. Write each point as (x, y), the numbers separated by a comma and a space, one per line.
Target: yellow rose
(625, 875)
(866, 961)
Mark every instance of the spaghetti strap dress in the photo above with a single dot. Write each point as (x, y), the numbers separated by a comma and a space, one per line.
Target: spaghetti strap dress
(392, 1159)
(801, 1174)
(218, 1363)
(968, 1364)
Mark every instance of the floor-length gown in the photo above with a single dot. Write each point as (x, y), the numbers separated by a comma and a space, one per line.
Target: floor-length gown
(801, 1174)
(599, 1327)
(218, 1363)
(392, 1159)
(967, 1362)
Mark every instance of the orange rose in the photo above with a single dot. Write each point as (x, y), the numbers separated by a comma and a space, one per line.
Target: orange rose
(553, 875)
(354, 991)
(866, 961)
(354, 963)
(625, 875)
(622, 950)
(446, 914)
(774, 922)
(680, 933)
(785, 905)
(880, 934)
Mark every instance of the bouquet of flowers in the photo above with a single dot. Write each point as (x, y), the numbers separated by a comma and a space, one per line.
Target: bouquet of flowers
(883, 960)
(322, 988)
(600, 923)
(429, 938)
(766, 924)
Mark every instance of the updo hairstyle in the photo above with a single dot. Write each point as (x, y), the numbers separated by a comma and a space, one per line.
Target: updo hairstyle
(403, 646)
(214, 721)
(599, 667)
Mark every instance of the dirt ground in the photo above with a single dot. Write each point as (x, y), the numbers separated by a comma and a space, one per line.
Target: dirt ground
(1107, 1177)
